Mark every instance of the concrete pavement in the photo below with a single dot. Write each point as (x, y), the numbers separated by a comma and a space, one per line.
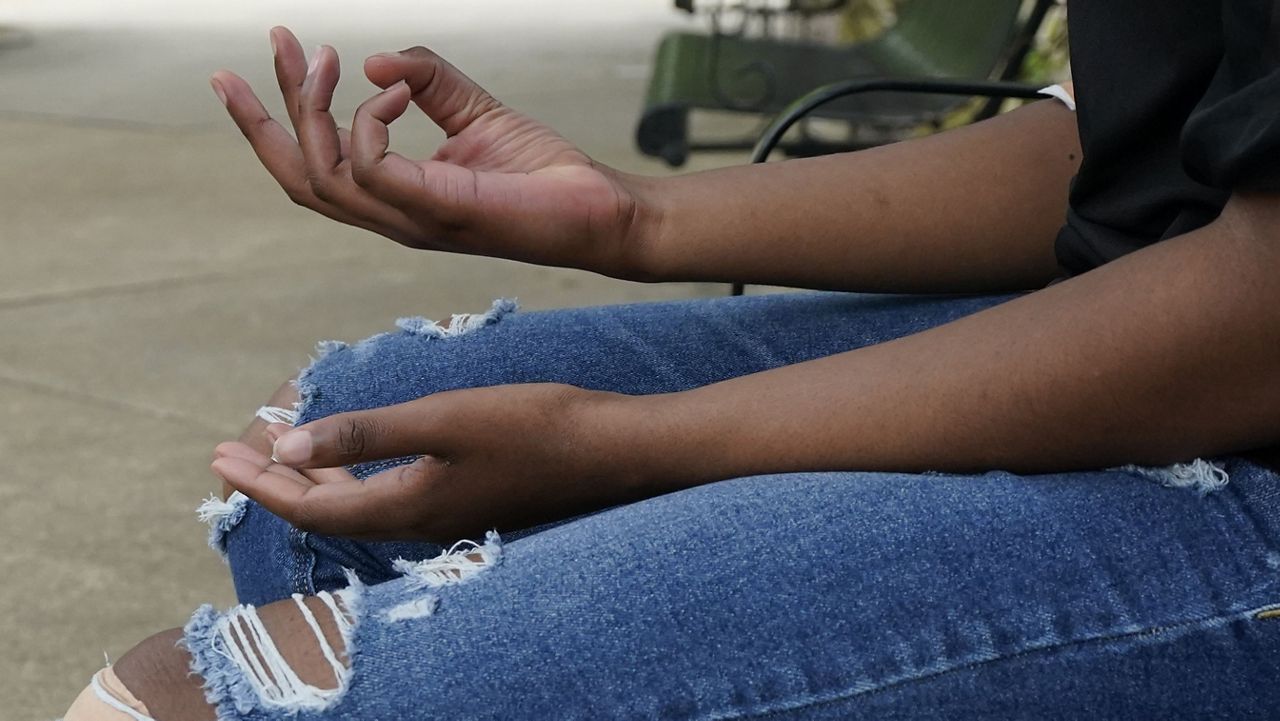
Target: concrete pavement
(155, 285)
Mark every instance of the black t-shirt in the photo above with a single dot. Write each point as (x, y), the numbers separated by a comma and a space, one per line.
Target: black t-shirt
(1179, 106)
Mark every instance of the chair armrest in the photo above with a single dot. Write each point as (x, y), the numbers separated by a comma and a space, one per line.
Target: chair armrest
(827, 93)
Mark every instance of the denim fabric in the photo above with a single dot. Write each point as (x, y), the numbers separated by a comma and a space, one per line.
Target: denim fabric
(1101, 595)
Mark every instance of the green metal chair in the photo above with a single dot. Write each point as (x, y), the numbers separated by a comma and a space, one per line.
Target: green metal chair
(975, 39)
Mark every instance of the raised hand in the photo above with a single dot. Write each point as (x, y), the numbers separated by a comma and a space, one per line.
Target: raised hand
(501, 185)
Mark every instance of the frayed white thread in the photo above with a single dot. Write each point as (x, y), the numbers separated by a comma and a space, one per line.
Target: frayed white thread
(106, 697)
(276, 414)
(453, 566)
(242, 638)
(460, 323)
(339, 670)
(325, 347)
(351, 598)
(409, 610)
(222, 516)
(214, 509)
(1199, 475)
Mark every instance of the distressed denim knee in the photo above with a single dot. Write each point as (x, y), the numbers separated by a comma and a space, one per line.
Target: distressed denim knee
(1108, 563)
(246, 667)
(271, 560)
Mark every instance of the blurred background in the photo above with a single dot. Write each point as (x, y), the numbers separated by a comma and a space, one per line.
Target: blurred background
(156, 285)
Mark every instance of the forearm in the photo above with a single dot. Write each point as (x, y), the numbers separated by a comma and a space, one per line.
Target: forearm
(975, 208)
(1166, 354)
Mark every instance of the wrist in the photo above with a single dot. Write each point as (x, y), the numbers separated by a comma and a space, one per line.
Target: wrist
(648, 445)
(637, 247)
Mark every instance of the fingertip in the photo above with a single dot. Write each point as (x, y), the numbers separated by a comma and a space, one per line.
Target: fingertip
(224, 76)
(224, 81)
(397, 97)
(219, 90)
(378, 70)
(293, 448)
(221, 468)
(331, 57)
(273, 431)
(281, 32)
(393, 102)
(383, 108)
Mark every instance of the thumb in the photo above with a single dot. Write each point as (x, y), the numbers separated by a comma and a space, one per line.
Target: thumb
(451, 99)
(349, 438)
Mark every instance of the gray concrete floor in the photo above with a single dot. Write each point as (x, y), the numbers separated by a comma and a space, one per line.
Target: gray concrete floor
(155, 286)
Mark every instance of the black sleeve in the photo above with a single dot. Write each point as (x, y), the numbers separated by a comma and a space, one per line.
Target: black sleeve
(1232, 138)
(1141, 69)
(1179, 106)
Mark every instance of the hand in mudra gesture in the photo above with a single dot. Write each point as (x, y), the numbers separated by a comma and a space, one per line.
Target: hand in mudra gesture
(501, 184)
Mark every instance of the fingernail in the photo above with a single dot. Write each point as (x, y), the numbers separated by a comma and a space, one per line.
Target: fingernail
(315, 60)
(217, 90)
(272, 432)
(274, 50)
(293, 448)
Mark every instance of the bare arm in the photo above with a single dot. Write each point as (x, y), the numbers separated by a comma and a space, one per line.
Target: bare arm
(972, 209)
(1163, 355)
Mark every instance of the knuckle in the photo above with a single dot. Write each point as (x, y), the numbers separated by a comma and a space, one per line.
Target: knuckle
(482, 103)
(417, 474)
(357, 435)
(321, 185)
(257, 127)
(297, 195)
(362, 174)
(302, 198)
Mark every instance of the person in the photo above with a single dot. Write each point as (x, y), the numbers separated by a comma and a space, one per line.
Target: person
(1018, 473)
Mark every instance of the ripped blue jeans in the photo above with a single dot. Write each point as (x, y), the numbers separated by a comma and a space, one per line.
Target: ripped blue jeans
(1129, 593)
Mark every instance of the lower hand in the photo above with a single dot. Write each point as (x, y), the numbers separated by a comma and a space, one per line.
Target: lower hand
(508, 457)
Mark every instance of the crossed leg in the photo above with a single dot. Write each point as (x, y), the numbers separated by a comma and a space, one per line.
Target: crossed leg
(812, 597)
